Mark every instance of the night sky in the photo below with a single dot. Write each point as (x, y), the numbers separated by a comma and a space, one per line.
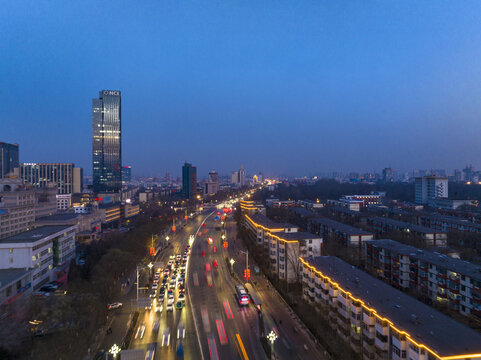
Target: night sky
(285, 87)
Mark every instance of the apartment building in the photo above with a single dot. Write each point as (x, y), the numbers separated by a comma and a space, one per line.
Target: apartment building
(430, 236)
(448, 223)
(14, 284)
(284, 245)
(379, 321)
(447, 280)
(40, 249)
(346, 234)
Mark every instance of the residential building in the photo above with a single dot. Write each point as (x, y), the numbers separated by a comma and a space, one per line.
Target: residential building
(238, 178)
(430, 236)
(350, 204)
(308, 204)
(276, 203)
(445, 280)
(347, 235)
(379, 321)
(448, 223)
(8, 158)
(40, 249)
(106, 142)
(367, 200)
(130, 210)
(66, 179)
(427, 188)
(110, 213)
(283, 243)
(189, 180)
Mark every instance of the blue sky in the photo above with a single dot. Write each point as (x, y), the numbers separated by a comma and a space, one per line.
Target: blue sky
(284, 87)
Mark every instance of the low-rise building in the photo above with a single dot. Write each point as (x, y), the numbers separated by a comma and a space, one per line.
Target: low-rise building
(430, 236)
(14, 284)
(40, 249)
(130, 210)
(110, 213)
(64, 202)
(379, 321)
(443, 279)
(448, 223)
(284, 244)
(346, 234)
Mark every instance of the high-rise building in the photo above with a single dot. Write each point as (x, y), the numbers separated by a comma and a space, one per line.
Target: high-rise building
(189, 180)
(126, 174)
(212, 185)
(428, 188)
(242, 176)
(8, 158)
(388, 175)
(106, 142)
(66, 177)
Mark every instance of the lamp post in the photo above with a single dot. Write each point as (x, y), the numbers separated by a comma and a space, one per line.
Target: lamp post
(115, 350)
(150, 265)
(232, 261)
(247, 260)
(272, 337)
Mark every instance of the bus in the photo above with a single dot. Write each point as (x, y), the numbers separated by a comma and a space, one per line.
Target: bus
(242, 295)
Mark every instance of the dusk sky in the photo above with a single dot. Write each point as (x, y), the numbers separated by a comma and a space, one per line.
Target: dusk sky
(285, 87)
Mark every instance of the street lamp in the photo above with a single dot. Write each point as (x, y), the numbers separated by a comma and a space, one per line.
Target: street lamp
(115, 350)
(232, 261)
(272, 337)
(223, 237)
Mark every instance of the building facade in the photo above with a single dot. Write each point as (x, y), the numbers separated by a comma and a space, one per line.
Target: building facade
(380, 322)
(189, 180)
(347, 235)
(212, 185)
(126, 175)
(40, 250)
(65, 177)
(428, 188)
(430, 236)
(445, 280)
(8, 158)
(106, 142)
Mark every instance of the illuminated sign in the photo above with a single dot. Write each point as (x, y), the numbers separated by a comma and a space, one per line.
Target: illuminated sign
(112, 92)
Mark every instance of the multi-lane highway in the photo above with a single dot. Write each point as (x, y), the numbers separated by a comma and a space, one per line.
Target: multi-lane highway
(211, 325)
(226, 330)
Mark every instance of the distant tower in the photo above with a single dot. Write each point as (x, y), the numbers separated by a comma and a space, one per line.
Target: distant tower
(242, 176)
(8, 158)
(189, 180)
(106, 142)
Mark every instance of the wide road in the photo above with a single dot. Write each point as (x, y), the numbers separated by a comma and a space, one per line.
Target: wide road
(226, 330)
(165, 339)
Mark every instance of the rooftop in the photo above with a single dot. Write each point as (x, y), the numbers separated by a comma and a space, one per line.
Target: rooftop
(406, 225)
(60, 217)
(268, 223)
(7, 276)
(347, 229)
(440, 260)
(35, 234)
(443, 335)
(302, 211)
(300, 235)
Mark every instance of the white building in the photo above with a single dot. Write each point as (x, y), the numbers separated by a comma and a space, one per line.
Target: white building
(40, 249)
(428, 188)
(64, 202)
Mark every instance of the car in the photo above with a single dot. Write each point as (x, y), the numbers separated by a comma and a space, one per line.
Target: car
(214, 249)
(170, 292)
(181, 289)
(170, 300)
(161, 293)
(153, 294)
(155, 285)
(160, 299)
(181, 297)
(140, 331)
(215, 263)
(47, 288)
(179, 305)
(207, 267)
(181, 331)
(156, 326)
(170, 307)
(159, 308)
(114, 305)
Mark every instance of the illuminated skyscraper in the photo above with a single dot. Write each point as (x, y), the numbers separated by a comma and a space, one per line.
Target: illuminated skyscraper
(106, 142)
(189, 180)
(8, 158)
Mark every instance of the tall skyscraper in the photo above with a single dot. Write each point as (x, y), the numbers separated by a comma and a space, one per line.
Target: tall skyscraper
(189, 180)
(8, 158)
(388, 175)
(106, 142)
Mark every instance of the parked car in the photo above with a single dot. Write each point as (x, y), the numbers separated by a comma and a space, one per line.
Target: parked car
(115, 305)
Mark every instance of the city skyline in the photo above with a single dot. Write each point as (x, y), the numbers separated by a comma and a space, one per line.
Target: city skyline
(349, 87)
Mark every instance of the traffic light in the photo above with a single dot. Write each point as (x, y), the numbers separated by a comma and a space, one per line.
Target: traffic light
(226, 244)
(247, 274)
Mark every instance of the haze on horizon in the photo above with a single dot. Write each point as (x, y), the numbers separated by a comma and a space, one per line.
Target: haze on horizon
(293, 87)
